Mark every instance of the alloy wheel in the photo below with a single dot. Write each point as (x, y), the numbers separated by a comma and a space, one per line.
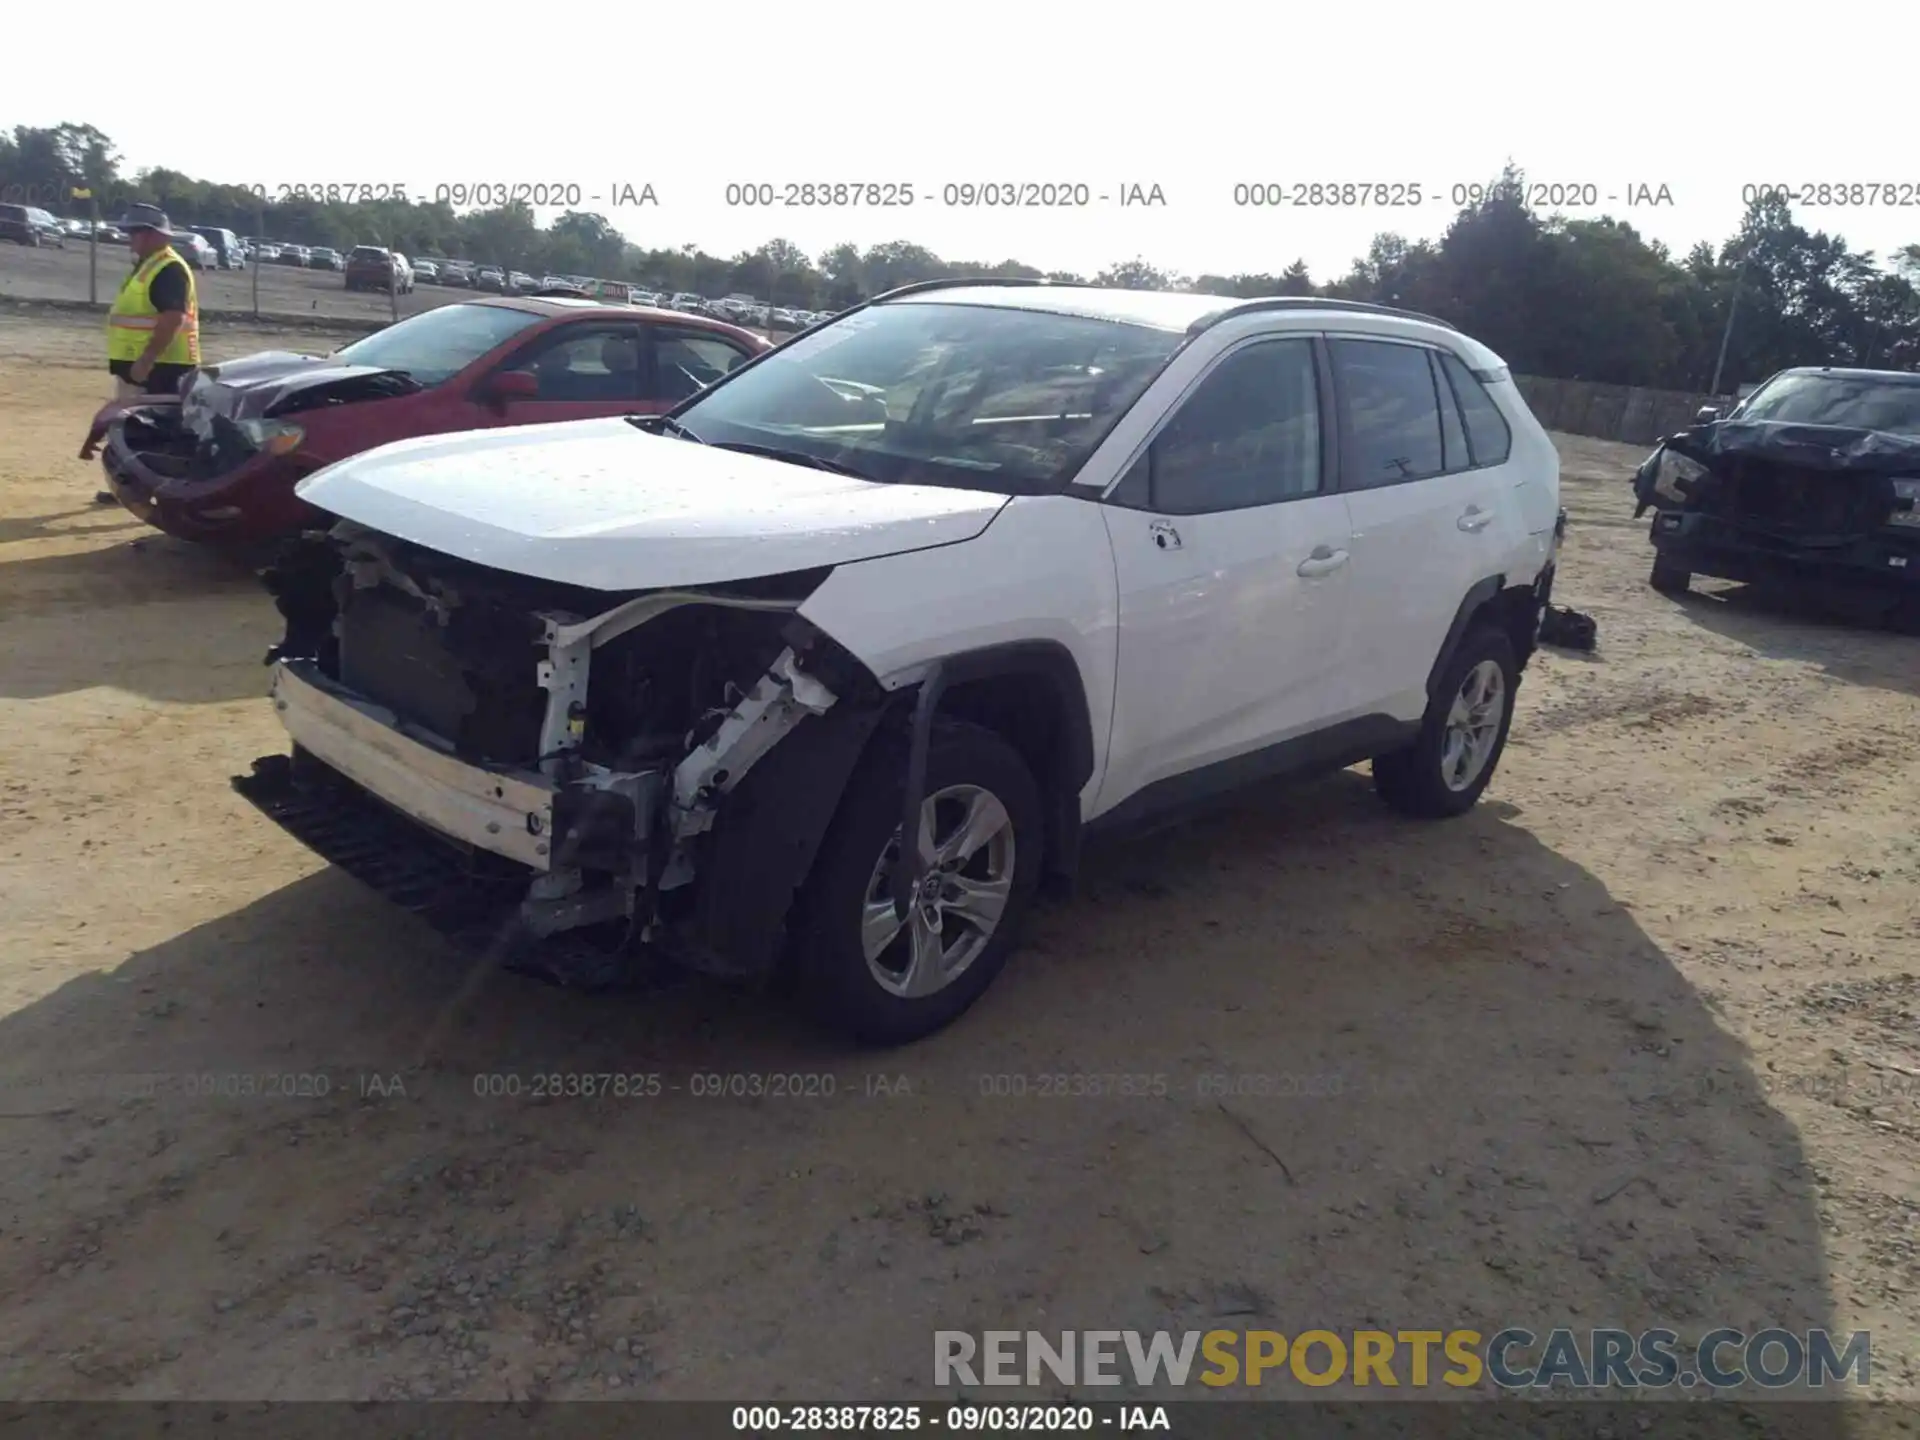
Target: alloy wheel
(1473, 725)
(966, 840)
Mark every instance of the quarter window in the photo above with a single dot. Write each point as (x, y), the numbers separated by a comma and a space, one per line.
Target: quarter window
(1488, 435)
(1249, 435)
(1393, 413)
(687, 361)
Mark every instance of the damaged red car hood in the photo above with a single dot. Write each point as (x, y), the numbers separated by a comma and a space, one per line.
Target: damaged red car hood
(258, 386)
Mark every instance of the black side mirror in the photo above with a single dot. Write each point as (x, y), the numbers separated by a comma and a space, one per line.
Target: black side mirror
(1706, 414)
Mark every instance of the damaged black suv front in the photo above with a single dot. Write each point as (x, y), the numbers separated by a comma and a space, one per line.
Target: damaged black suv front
(1812, 481)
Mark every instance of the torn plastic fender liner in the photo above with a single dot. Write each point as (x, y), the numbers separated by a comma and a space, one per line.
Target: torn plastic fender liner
(912, 866)
(768, 832)
(766, 826)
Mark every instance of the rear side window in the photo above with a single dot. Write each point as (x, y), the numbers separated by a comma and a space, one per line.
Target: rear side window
(1488, 435)
(13, 212)
(1392, 413)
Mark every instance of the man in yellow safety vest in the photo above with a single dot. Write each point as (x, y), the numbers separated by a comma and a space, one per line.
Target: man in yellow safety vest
(153, 328)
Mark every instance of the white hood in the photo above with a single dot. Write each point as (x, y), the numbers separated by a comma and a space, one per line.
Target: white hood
(600, 504)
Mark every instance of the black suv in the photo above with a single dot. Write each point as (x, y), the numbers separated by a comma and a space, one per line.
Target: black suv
(25, 225)
(1815, 476)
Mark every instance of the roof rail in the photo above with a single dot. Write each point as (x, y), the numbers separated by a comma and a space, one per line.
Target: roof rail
(955, 282)
(1309, 302)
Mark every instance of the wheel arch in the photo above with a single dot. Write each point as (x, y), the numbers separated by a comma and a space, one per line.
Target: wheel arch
(1514, 609)
(764, 843)
(1031, 693)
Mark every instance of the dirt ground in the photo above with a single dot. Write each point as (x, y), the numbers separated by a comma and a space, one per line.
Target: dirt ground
(1632, 1044)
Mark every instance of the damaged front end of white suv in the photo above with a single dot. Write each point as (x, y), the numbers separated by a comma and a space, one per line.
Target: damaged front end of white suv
(542, 771)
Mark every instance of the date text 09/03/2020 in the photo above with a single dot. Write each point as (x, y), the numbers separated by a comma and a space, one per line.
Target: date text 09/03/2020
(954, 1419)
(483, 194)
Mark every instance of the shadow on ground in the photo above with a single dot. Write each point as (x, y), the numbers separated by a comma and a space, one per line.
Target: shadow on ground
(1377, 1073)
(1858, 642)
(150, 615)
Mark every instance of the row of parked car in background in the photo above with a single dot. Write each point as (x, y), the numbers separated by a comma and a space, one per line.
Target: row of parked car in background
(373, 267)
(381, 269)
(205, 247)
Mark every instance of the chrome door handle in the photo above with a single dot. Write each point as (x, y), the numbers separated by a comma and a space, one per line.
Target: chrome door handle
(1474, 519)
(1323, 561)
(1164, 535)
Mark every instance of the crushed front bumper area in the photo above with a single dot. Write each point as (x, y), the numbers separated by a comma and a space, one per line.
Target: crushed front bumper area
(471, 898)
(1887, 562)
(510, 815)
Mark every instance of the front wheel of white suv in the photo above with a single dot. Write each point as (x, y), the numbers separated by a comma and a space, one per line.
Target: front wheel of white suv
(885, 979)
(1442, 772)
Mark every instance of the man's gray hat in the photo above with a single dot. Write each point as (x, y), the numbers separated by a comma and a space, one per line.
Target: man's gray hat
(145, 217)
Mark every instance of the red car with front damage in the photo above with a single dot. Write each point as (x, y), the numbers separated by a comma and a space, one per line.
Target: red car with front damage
(219, 461)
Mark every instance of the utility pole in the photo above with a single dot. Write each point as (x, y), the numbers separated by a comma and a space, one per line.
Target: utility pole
(1726, 336)
(260, 234)
(85, 192)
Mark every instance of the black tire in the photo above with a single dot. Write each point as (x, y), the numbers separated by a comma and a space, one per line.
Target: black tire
(1411, 779)
(1669, 578)
(831, 976)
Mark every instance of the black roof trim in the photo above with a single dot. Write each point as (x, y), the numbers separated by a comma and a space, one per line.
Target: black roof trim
(1310, 302)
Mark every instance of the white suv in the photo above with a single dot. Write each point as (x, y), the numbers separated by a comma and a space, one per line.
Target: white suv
(978, 566)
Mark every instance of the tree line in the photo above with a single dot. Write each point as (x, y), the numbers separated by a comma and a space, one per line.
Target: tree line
(1583, 299)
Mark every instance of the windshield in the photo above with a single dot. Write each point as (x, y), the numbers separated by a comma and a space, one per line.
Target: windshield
(969, 395)
(1856, 402)
(437, 344)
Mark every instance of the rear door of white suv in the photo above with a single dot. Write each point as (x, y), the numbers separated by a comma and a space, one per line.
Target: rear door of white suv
(1426, 482)
(1230, 545)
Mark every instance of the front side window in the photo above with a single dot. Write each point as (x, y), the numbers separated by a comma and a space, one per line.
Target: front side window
(1393, 414)
(437, 344)
(1248, 435)
(1003, 399)
(588, 365)
(1855, 402)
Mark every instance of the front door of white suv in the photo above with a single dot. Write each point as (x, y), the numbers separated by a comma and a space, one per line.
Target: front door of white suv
(1230, 549)
(1428, 522)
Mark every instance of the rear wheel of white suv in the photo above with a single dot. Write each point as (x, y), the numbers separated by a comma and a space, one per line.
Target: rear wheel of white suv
(887, 980)
(1442, 772)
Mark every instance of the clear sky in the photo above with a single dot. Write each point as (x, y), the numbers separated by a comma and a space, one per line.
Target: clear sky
(1194, 98)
